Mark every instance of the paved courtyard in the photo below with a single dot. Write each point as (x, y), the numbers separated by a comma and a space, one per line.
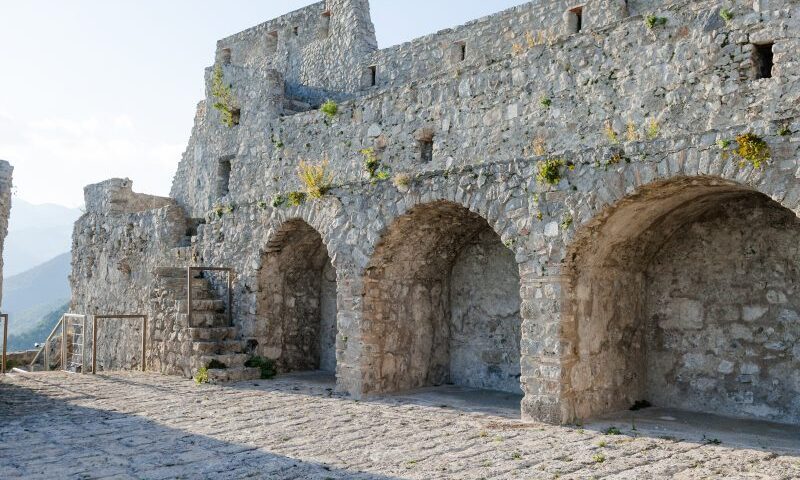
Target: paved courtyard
(147, 426)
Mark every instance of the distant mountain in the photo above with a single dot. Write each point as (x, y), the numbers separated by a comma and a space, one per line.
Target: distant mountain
(29, 296)
(36, 233)
(26, 340)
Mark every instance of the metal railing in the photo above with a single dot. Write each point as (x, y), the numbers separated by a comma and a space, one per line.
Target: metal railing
(46, 346)
(95, 318)
(189, 277)
(4, 316)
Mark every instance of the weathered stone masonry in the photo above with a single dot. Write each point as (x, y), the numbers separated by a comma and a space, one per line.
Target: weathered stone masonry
(660, 267)
(6, 171)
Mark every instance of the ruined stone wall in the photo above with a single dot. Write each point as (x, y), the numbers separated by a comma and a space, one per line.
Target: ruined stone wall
(645, 122)
(6, 171)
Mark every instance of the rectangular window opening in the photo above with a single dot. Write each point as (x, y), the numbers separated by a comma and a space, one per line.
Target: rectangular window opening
(373, 75)
(236, 115)
(763, 60)
(224, 176)
(296, 31)
(575, 19)
(426, 150)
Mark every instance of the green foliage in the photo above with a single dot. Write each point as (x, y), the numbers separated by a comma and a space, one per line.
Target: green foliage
(216, 365)
(652, 130)
(612, 430)
(598, 458)
(266, 365)
(373, 166)
(545, 102)
(566, 221)
(784, 131)
(753, 150)
(262, 205)
(402, 180)
(726, 14)
(611, 135)
(278, 201)
(295, 199)
(723, 144)
(221, 210)
(223, 94)
(329, 108)
(653, 21)
(276, 142)
(550, 171)
(201, 376)
(316, 178)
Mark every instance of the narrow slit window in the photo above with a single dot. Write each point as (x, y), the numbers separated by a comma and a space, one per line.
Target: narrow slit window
(373, 75)
(296, 31)
(575, 19)
(224, 176)
(236, 115)
(763, 60)
(462, 51)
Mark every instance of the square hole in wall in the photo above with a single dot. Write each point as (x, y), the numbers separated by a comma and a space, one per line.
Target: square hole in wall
(574, 19)
(296, 31)
(458, 52)
(763, 60)
(272, 42)
(225, 56)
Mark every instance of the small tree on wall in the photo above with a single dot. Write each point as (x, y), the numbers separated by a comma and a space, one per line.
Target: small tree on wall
(225, 102)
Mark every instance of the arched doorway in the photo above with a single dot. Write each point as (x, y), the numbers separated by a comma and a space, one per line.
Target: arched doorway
(686, 295)
(297, 300)
(441, 305)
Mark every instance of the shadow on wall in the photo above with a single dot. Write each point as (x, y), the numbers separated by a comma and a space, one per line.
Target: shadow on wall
(130, 445)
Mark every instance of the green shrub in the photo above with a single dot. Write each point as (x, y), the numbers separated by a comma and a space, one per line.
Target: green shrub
(278, 201)
(266, 365)
(373, 166)
(329, 108)
(653, 21)
(753, 150)
(726, 14)
(295, 199)
(316, 178)
(545, 102)
(550, 171)
(223, 94)
(201, 376)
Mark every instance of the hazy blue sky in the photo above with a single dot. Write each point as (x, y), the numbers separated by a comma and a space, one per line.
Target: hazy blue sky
(94, 89)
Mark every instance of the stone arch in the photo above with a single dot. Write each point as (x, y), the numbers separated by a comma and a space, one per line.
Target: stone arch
(297, 299)
(684, 294)
(441, 304)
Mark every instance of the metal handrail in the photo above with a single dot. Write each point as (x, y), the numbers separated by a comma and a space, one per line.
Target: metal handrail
(189, 271)
(46, 347)
(95, 318)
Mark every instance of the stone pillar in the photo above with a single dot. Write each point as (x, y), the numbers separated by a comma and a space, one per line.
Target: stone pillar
(5, 210)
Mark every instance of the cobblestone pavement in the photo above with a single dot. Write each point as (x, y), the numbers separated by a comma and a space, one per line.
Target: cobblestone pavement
(134, 425)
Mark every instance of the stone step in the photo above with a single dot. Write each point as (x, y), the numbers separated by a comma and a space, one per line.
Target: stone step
(212, 334)
(232, 360)
(202, 305)
(237, 374)
(204, 319)
(218, 347)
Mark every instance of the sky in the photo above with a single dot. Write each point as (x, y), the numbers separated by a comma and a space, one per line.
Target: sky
(96, 89)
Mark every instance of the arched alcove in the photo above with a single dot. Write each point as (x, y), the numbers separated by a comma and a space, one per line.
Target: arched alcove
(297, 300)
(441, 304)
(686, 295)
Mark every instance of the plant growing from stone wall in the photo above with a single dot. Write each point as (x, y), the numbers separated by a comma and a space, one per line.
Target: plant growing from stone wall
(223, 94)
(265, 365)
(653, 21)
(402, 181)
(373, 166)
(652, 130)
(330, 109)
(549, 171)
(726, 15)
(295, 199)
(752, 150)
(278, 201)
(316, 179)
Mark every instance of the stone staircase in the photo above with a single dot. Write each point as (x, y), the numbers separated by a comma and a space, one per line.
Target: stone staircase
(293, 105)
(212, 338)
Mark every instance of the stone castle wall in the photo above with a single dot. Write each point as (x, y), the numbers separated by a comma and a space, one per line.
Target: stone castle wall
(6, 171)
(600, 307)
